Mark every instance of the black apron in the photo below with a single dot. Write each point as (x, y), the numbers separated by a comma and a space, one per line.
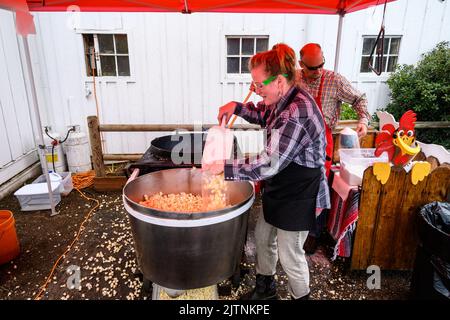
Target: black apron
(289, 197)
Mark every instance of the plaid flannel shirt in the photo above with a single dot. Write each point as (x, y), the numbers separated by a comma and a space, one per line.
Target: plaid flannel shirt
(336, 89)
(295, 133)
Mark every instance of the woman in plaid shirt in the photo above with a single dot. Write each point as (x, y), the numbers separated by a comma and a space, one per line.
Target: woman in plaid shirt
(292, 167)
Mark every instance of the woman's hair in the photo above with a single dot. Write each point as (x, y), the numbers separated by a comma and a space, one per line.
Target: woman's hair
(279, 60)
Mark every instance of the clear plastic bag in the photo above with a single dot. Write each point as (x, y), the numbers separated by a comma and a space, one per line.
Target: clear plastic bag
(348, 139)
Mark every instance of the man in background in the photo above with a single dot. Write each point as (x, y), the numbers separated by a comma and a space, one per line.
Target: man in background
(330, 90)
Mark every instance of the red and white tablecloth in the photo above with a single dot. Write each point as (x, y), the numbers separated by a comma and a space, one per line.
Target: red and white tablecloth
(343, 215)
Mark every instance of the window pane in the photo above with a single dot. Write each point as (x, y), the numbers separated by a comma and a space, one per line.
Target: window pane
(262, 45)
(244, 65)
(392, 63)
(364, 64)
(395, 46)
(233, 46)
(105, 43)
(121, 43)
(378, 49)
(248, 46)
(368, 44)
(377, 63)
(386, 45)
(232, 65)
(123, 65)
(88, 40)
(88, 65)
(108, 64)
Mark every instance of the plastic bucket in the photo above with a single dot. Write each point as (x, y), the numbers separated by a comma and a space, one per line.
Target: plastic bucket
(9, 244)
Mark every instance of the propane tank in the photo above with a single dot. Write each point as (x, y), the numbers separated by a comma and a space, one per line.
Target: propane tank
(58, 154)
(78, 151)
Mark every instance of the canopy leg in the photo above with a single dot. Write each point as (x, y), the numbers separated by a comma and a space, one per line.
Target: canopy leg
(37, 123)
(338, 42)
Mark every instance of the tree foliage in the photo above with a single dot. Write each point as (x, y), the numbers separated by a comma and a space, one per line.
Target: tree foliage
(348, 113)
(424, 88)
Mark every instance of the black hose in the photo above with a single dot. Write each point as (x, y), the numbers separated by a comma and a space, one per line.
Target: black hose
(53, 157)
(67, 135)
(46, 132)
(55, 141)
(60, 141)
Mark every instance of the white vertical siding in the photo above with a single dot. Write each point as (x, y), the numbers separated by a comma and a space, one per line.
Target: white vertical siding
(5, 155)
(17, 148)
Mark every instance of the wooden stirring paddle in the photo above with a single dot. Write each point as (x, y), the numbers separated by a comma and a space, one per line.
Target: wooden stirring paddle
(230, 125)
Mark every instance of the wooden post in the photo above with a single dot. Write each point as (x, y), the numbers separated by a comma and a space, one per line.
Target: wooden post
(122, 156)
(96, 146)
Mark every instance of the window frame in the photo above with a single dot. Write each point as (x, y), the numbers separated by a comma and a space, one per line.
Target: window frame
(241, 55)
(388, 55)
(88, 78)
(239, 77)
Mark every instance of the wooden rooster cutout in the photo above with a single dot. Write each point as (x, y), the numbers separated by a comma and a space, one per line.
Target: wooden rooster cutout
(401, 146)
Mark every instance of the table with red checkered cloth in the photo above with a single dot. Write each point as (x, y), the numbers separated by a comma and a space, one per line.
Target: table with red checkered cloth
(342, 219)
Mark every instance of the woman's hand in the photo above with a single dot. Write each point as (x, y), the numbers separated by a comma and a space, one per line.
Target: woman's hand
(226, 110)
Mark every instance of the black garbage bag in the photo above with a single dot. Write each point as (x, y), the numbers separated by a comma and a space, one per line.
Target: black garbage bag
(434, 229)
(431, 276)
(441, 276)
(438, 215)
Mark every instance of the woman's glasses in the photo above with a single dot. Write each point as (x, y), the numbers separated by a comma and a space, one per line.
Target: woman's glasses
(259, 85)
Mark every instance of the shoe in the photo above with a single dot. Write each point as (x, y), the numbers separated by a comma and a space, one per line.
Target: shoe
(301, 298)
(310, 245)
(265, 289)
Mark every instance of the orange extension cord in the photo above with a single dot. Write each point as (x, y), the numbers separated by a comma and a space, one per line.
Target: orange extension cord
(80, 181)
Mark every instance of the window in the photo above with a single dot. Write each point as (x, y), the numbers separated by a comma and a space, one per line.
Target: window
(111, 57)
(391, 48)
(240, 49)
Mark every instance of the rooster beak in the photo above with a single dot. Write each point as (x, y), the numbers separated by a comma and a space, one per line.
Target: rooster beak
(405, 144)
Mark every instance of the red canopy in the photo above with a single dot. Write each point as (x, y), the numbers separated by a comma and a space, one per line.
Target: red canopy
(25, 21)
(188, 6)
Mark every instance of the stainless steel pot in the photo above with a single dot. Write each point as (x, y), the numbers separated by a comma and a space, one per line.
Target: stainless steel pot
(186, 250)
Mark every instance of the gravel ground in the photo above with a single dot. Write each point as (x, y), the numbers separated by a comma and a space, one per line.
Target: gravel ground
(108, 269)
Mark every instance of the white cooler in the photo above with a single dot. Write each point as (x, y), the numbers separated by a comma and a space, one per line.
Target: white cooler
(355, 161)
(35, 196)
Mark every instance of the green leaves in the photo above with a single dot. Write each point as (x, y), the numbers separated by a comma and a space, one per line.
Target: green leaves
(347, 112)
(424, 88)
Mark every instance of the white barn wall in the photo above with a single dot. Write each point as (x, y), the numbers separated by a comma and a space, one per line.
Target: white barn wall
(17, 148)
(178, 62)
